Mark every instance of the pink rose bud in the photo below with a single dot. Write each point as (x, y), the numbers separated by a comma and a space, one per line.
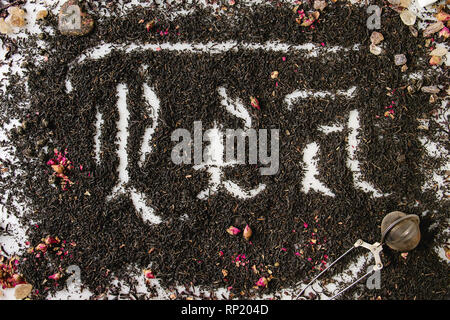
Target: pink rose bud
(50, 240)
(149, 274)
(262, 282)
(247, 232)
(254, 102)
(41, 247)
(55, 276)
(445, 32)
(233, 230)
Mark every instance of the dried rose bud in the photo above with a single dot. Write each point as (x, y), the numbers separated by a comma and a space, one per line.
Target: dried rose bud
(445, 32)
(254, 102)
(262, 282)
(254, 269)
(58, 168)
(49, 240)
(41, 247)
(247, 232)
(150, 25)
(55, 276)
(308, 21)
(233, 230)
(149, 274)
(435, 60)
(447, 252)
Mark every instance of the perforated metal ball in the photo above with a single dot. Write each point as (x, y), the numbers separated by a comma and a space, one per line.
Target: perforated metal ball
(400, 231)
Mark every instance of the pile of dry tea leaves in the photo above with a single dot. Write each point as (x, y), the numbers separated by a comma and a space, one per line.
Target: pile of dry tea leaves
(76, 218)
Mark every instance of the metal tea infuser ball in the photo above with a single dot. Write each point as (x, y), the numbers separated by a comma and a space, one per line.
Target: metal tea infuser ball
(399, 232)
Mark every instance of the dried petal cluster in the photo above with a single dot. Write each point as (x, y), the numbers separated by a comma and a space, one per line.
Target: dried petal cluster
(60, 165)
(9, 276)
